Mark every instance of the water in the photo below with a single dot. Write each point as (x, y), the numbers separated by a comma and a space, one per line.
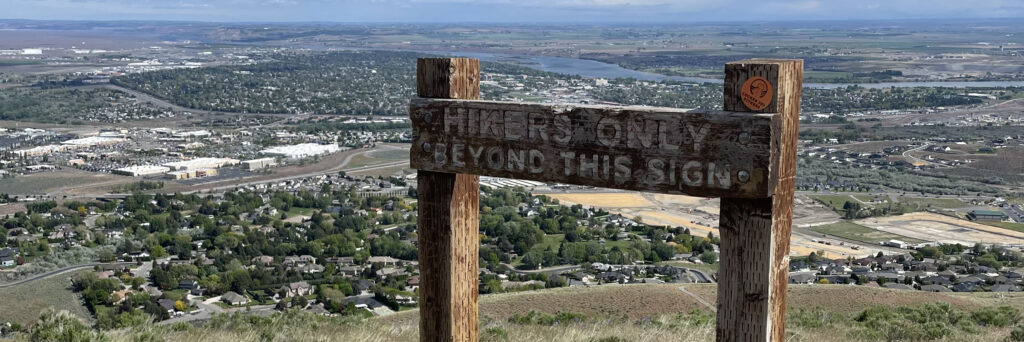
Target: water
(594, 69)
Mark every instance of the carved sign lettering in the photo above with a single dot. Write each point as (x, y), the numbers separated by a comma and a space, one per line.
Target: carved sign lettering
(698, 153)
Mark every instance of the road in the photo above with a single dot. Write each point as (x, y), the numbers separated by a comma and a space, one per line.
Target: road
(552, 269)
(908, 156)
(56, 272)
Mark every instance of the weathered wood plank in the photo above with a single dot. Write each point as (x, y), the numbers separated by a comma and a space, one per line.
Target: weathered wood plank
(755, 233)
(698, 153)
(448, 220)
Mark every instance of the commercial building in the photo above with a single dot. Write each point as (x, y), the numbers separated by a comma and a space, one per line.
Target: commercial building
(987, 215)
(201, 163)
(93, 141)
(259, 164)
(141, 170)
(300, 150)
(179, 175)
(41, 150)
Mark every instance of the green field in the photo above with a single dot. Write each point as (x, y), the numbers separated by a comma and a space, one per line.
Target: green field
(552, 241)
(923, 203)
(710, 268)
(23, 303)
(852, 231)
(833, 201)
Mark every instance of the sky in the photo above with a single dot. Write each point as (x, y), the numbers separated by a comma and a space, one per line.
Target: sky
(533, 11)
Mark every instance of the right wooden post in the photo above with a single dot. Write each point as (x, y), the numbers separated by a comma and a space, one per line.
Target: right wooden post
(754, 249)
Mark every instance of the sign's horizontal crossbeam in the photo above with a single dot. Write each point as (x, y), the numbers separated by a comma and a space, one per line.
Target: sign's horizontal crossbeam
(666, 150)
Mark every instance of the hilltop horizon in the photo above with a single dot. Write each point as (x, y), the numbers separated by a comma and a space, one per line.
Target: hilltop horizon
(500, 11)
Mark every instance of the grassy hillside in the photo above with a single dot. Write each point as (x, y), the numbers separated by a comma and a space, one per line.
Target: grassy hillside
(642, 313)
(22, 303)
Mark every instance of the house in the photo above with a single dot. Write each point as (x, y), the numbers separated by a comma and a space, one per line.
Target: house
(192, 286)
(310, 268)
(6, 261)
(937, 280)
(405, 300)
(363, 302)
(342, 261)
(167, 304)
(299, 260)
(264, 260)
(1004, 288)
(318, 309)
(389, 272)
(966, 287)
(387, 261)
(233, 298)
(412, 283)
(350, 271)
(8, 257)
(297, 289)
(362, 285)
(934, 288)
(802, 278)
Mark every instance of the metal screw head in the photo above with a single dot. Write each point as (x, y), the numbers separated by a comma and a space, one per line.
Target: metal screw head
(744, 137)
(426, 147)
(428, 117)
(743, 176)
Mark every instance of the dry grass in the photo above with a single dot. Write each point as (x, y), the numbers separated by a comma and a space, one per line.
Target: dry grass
(935, 227)
(605, 200)
(628, 312)
(23, 303)
(668, 218)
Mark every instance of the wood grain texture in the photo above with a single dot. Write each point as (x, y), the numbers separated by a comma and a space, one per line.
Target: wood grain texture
(665, 150)
(448, 224)
(448, 78)
(755, 232)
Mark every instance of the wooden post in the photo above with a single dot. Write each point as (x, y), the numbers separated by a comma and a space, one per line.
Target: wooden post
(449, 219)
(755, 233)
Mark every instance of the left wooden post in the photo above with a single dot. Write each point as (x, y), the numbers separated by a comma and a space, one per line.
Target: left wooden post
(449, 218)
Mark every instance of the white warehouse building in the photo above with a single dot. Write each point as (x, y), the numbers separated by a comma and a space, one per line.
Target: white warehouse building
(93, 141)
(301, 150)
(261, 163)
(141, 170)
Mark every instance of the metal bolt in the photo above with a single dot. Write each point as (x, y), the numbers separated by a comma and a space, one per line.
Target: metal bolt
(744, 137)
(428, 117)
(743, 176)
(426, 147)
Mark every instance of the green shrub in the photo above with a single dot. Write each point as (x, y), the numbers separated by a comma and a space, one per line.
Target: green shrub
(1017, 335)
(540, 318)
(999, 317)
(494, 333)
(813, 318)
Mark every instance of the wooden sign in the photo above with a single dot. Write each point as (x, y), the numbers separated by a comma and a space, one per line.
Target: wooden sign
(665, 150)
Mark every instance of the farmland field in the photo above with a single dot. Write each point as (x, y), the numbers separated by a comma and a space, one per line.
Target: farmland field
(605, 200)
(933, 202)
(856, 232)
(833, 201)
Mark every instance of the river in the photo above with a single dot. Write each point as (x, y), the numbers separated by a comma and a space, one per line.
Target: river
(595, 69)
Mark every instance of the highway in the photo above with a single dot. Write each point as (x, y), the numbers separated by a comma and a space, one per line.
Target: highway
(56, 272)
